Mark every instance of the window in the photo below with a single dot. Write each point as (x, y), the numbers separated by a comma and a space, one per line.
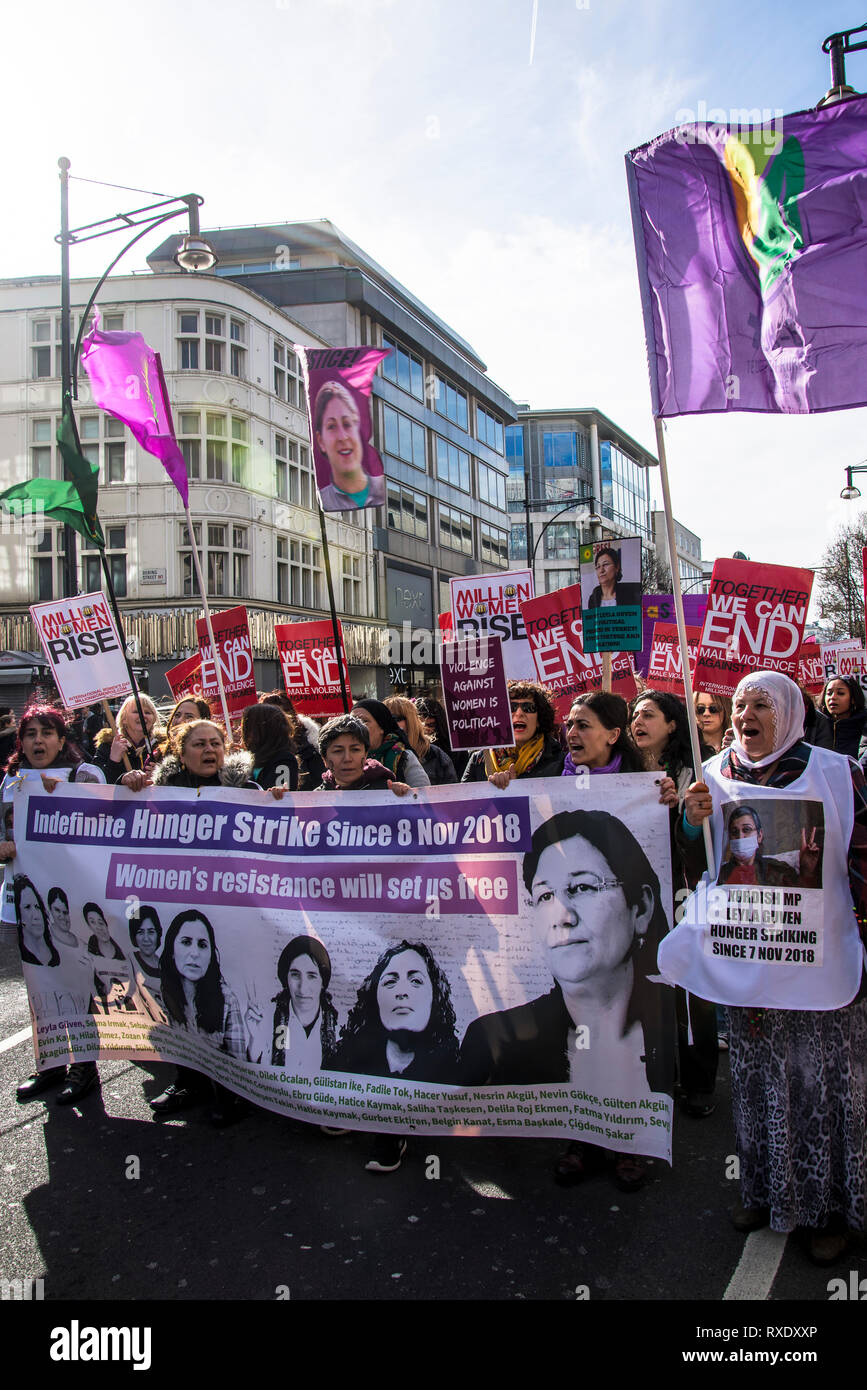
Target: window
(492, 487)
(451, 403)
(302, 489)
(453, 465)
(489, 430)
(561, 579)
(113, 453)
(48, 564)
(188, 341)
(42, 432)
(288, 379)
(225, 559)
(560, 449)
(403, 368)
(495, 545)
(112, 323)
(239, 450)
(407, 511)
(403, 437)
(282, 570)
(281, 469)
(115, 463)
(305, 574)
(115, 555)
(456, 529)
(351, 583)
(562, 541)
(518, 541)
(215, 447)
(189, 423)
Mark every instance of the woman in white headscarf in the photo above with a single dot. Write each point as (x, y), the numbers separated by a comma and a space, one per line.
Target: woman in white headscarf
(799, 1071)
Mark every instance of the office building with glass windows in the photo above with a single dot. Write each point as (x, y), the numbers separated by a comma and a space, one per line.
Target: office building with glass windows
(580, 477)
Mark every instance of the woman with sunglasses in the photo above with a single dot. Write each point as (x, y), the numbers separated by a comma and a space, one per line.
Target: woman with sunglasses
(536, 751)
(714, 717)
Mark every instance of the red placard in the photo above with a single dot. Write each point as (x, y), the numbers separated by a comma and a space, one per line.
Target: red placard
(754, 622)
(308, 661)
(235, 655)
(554, 631)
(811, 672)
(665, 670)
(185, 679)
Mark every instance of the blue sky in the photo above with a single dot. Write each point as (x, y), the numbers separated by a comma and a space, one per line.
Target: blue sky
(492, 186)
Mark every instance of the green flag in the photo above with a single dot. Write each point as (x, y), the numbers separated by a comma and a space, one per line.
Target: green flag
(72, 502)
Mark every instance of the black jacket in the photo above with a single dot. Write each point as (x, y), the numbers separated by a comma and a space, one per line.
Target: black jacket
(840, 735)
(549, 764)
(439, 767)
(279, 771)
(311, 764)
(235, 772)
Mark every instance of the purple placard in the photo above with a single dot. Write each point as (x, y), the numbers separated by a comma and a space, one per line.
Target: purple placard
(291, 828)
(659, 608)
(472, 887)
(475, 694)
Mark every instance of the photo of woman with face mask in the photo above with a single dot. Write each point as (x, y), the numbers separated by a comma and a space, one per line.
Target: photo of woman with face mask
(747, 864)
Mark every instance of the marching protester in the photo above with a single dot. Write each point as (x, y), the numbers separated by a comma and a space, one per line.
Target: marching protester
(305, 740)
(129, 740)
(388, 745)
(799, 1075)
(43, 746)
(714, 716)
(660, 729)
(436, 763)
(536, 751)
(267, 736)
(841, 717)
(435, 726)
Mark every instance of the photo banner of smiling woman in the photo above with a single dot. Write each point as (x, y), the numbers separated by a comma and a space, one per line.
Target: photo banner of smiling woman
(349, 471)
(463, 960)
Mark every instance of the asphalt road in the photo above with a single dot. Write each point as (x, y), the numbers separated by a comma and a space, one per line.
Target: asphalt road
(102, 1202)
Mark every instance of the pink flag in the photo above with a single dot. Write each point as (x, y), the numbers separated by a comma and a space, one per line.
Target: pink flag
(126, 377)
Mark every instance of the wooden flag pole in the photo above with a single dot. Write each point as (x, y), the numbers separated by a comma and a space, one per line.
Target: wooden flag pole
(204, 593)
(113, 726)
(606, 672)
(681, 632)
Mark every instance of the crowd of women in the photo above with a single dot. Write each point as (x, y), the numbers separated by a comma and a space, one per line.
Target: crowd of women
(799, 1076)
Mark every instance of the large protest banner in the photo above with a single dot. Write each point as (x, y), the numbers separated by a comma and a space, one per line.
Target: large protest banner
(665, 671)
(235, 655)
(475, 694)
(461, 988)
(308, 660)
(555, 631)
(659, 608)
(82, 644)
(754, 622)
(490, 605)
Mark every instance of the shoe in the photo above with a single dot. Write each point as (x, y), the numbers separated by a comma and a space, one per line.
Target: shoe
(722, 1043)
(749, 1218)
(81, 1078)
(175, 1098)
(699, 1105)
(388, 1150)
(826, 1247)
(333, 1131)
(40, 1081)
(630, 1172)
(571, 1166)
(228, 1112)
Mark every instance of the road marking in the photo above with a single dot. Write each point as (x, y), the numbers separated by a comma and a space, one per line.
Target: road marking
(757, 1267)
(15, 1039)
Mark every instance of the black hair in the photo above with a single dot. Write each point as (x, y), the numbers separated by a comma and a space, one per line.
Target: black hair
(57, 895)
(620, 849)
(856, 696)
(615, 556)
(613, 712)
(208, 997)
(677, 753)
(364, 1025)
(20, 884)
(93, 907)
(305, 946)
(542, 698)
(343, 724)
(144, 914)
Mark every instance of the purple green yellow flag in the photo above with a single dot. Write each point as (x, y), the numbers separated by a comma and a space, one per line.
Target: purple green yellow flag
(751, 244)
(126, 378)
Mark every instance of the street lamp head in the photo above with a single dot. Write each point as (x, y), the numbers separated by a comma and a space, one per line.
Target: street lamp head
(850, 493)
(194, 253)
